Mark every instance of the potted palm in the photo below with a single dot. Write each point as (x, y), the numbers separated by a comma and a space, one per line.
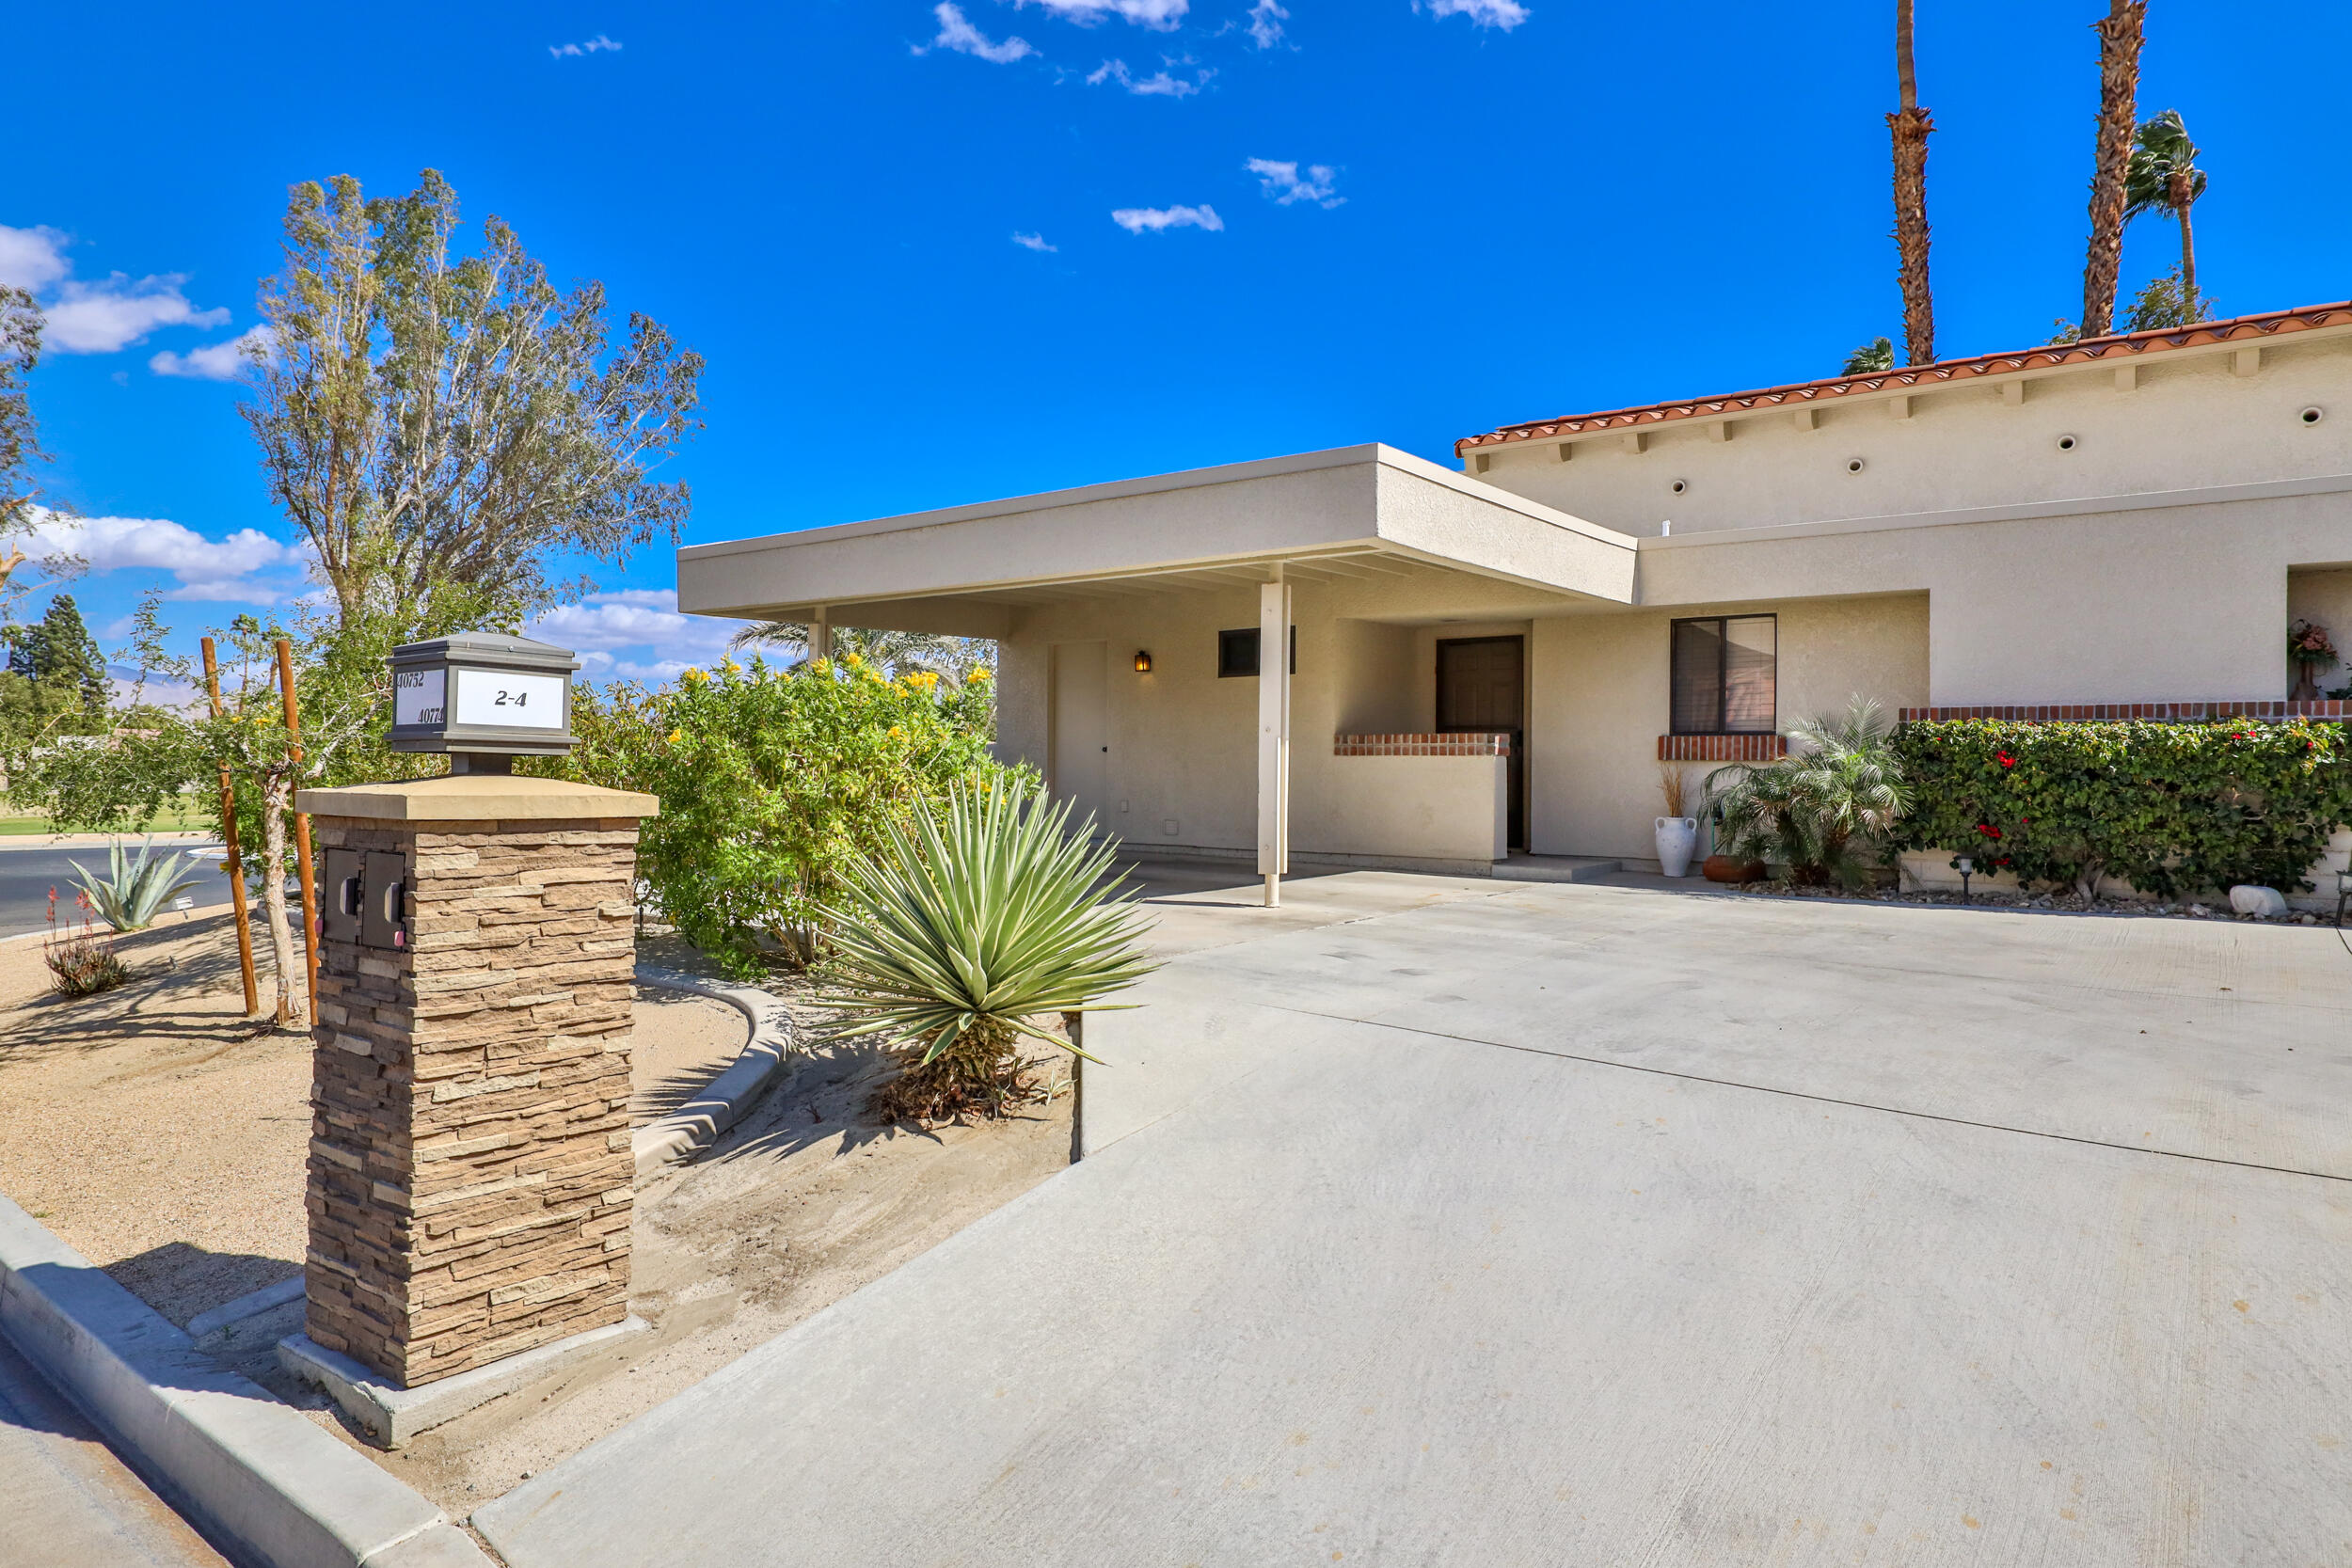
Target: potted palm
(1677, 834)
(1823, 810)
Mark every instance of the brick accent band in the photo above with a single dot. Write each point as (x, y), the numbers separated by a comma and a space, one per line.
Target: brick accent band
(2118, 712)
(1721, 748)
(1432, 744)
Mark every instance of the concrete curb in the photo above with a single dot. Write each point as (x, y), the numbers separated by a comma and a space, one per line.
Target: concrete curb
(694, 1126)
(264, 1483)
(395, 1416)
(247, 1306)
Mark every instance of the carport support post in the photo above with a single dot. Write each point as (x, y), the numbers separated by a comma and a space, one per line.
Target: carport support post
(1273, 734)
(821, 635)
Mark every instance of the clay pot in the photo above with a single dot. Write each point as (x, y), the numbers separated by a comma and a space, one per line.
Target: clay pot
(1724, 868)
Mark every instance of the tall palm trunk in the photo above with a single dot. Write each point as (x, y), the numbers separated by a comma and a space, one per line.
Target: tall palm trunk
(1909, 126)
(2120, 34)
(2184, 198)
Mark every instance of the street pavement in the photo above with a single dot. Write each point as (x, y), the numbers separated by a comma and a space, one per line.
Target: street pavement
(27, 873)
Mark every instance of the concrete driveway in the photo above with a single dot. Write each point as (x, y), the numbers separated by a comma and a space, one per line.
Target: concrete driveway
(1433, 1221)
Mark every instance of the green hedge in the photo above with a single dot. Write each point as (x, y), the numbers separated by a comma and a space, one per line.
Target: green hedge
(2172, 809)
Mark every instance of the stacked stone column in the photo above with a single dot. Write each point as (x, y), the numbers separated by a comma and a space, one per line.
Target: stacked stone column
(469, 1170)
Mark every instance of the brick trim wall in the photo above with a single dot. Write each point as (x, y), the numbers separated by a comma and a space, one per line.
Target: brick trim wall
(2116, 712)
(1440, 744)
(1721, 748)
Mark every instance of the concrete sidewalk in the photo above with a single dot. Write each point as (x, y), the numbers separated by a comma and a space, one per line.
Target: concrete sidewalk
(1543, 1224)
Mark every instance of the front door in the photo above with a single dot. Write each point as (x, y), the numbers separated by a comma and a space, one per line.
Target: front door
(1482, 686)
(1081, 742)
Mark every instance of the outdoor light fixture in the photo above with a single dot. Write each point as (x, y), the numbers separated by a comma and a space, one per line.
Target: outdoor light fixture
(1143, 663)
(1966, 867)
(483, 697)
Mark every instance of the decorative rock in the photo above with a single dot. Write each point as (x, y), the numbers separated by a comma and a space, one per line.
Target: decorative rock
(2265, 903)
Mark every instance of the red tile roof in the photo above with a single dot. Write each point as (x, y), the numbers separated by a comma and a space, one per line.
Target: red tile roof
(2122, 346)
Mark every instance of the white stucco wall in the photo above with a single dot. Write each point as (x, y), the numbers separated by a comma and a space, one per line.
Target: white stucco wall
(1434, 809)
(1601, 686)
(2189, 423)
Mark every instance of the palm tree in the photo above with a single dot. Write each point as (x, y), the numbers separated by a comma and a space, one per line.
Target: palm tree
(900, 652)
(1871, 358)
(1909, 126)
(2120, 34)
(2164, 178)
(1825, 809)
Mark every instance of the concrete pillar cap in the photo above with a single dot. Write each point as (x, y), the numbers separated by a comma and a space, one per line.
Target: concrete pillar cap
(475, 798)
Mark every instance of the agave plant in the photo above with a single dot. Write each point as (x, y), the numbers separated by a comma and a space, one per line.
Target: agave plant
(1823, 809)
(972, 922)
(133, 891)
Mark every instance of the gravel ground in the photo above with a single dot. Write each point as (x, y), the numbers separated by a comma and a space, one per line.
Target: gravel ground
(163, 1136)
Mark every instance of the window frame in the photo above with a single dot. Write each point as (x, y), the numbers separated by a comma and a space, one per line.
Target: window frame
(1229, 667)
(1722, 672)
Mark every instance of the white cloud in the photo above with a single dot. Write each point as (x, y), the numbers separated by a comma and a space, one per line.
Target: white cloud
(1505, 14)
(957, 33)
(1284, 184)
(224, 361)
(219, 569)
(575, 51)
(1136, 219)
(1266, 23)
(640, 619)
(100, 318)
(1161, 15)
(1158, 84)
(32, 258)
(1036, 243)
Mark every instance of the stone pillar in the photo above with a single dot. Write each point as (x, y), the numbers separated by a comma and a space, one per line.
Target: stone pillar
(469, 1171)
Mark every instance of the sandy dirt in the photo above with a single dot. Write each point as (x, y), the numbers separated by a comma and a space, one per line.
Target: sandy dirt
(163, 1136)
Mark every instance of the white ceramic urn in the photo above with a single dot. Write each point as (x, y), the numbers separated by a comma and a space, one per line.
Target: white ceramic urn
(1677, 837)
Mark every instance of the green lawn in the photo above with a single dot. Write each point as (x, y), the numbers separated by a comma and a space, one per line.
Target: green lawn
(171, 819)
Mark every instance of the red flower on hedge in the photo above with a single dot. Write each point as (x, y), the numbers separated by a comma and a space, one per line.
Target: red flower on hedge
(1988, 830)
(2006, 761)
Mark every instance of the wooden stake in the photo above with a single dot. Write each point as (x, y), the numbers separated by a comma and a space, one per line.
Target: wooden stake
(302, 831)
(233, 864)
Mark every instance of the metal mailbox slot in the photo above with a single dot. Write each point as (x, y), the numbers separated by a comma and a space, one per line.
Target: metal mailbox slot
(339, 915)
(383, 915)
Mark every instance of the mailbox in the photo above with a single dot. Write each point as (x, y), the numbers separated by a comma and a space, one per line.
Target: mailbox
(366, 899)
(483, 697)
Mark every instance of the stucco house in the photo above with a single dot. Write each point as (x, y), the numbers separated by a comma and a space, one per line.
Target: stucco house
(1496, 661)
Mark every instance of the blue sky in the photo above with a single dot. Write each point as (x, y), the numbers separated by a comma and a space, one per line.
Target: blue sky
(1342, 222)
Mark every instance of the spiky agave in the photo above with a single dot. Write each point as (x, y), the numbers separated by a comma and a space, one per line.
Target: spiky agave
(133, 891)
(972, 920)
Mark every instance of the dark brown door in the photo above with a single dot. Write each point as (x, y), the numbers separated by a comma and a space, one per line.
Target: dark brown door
(1482, 685)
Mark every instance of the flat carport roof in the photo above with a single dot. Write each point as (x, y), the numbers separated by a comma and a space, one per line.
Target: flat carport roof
(1352, 511)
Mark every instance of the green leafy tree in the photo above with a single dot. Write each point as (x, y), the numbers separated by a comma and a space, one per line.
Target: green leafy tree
(2166, 302)
(19, 439)
(59, 649)
(769, 780)
(2163, 177)
(440, 427)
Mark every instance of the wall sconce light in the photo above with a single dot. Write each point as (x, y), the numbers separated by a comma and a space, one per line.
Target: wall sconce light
(1143, 663)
